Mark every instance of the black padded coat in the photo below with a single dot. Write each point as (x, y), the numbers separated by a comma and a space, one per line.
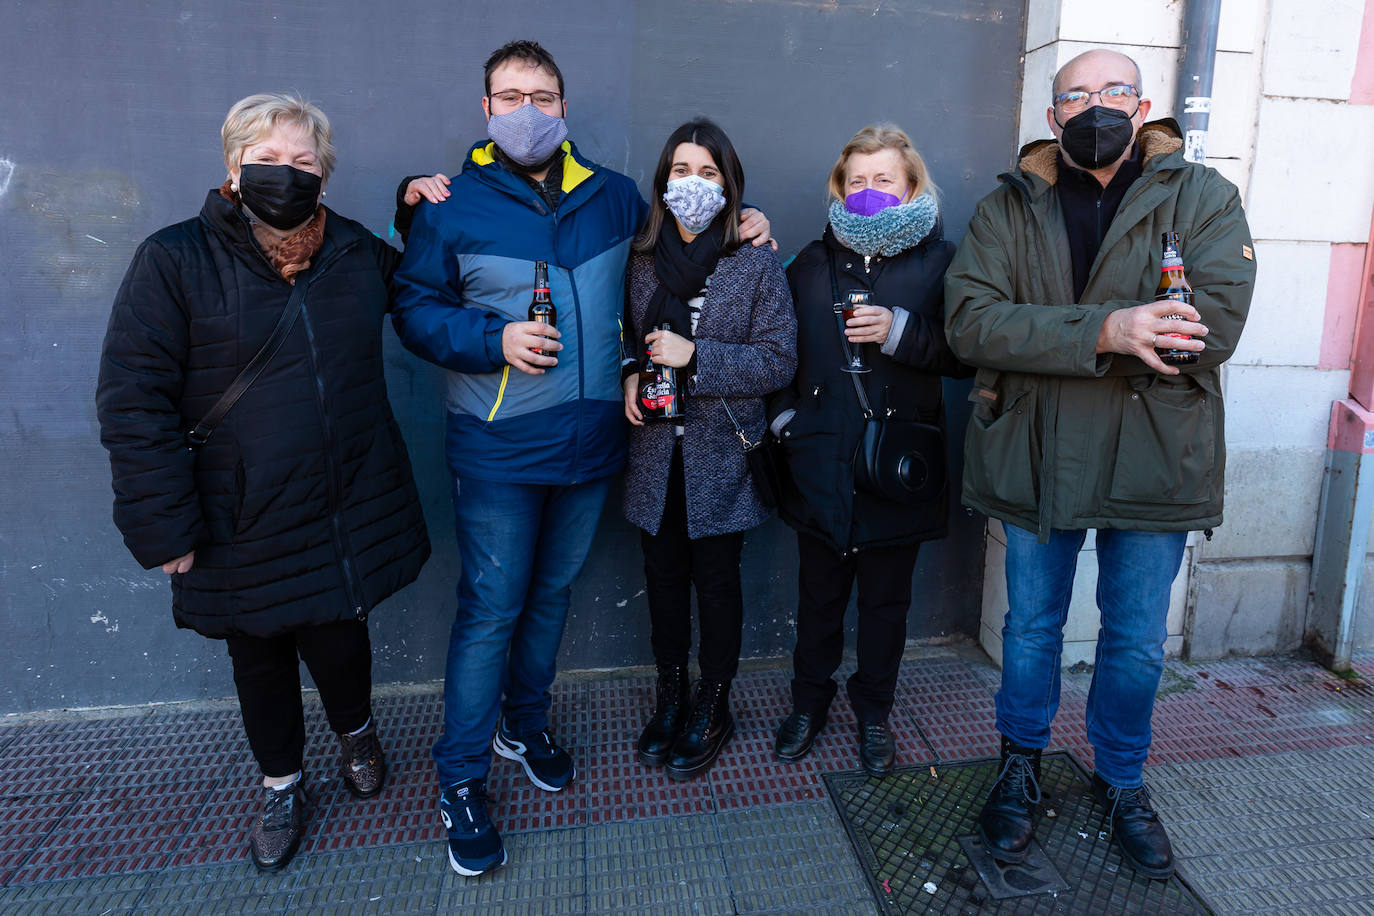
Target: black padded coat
(822, 437)
(301, 508)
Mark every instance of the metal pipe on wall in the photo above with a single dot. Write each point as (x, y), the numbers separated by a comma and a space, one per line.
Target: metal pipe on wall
(1193, 101)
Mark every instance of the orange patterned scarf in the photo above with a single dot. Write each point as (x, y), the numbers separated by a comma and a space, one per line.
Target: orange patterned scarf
(291, 255)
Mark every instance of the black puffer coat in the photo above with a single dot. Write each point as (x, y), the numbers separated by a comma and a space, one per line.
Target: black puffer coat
(301, 508)
(824, 434)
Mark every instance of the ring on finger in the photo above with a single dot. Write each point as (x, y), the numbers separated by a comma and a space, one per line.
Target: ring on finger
(1153, 338)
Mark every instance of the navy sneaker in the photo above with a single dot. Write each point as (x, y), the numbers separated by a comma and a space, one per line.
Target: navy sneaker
(546, 764)
(474, 846)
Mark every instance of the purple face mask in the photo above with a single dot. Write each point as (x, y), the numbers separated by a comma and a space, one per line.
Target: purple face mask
(868, 201)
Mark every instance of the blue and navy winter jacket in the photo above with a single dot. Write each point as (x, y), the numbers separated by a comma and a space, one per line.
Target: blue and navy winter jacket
(469, 270)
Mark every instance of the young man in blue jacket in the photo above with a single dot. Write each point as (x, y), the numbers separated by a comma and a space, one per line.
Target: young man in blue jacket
(532, 450)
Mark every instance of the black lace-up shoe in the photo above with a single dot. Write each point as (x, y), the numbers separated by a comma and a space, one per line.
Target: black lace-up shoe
(670, 714)
(1136, 828)
(276, 834)
(709, 726)
(796, 734)
(1007, 822)
(362, 763)
(474, 846)
(877, 750)
(547, 765)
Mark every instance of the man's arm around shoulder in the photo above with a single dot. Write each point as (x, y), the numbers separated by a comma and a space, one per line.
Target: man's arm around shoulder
(429, 314)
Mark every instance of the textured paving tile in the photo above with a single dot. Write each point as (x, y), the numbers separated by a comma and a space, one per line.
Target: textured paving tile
(114, 895)
(62, 756)
(617, 787)
(671, 865)
(546, 872)
(401, 880)
(114, 830)
(24, 824)
(220, 890)
(792, 859)
(1275, 833)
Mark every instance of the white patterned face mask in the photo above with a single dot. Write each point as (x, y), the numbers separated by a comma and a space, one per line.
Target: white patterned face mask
(694, 201)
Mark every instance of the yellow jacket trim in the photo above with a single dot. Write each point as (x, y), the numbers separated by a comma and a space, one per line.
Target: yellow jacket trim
(500, 393)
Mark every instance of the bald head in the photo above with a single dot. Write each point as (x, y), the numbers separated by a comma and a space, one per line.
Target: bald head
(1095, 69)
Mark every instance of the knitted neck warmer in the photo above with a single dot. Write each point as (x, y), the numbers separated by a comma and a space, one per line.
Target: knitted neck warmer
(887, 232)
(290, 255)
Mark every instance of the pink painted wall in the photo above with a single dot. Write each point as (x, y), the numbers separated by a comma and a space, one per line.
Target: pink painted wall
(1362, 86)
(1343, 287)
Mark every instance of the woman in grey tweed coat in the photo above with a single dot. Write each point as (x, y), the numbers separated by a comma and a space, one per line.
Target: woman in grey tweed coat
(732, 339)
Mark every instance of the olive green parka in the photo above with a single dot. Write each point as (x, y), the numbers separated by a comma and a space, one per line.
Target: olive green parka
(1064, 437)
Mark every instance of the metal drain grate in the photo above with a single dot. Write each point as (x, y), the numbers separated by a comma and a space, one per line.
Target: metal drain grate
(907, 831)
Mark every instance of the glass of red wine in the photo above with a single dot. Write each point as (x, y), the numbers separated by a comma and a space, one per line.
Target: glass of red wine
(853, 352)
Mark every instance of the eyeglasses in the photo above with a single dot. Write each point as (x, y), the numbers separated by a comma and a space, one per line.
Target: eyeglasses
(1118, 95)
(511, 99)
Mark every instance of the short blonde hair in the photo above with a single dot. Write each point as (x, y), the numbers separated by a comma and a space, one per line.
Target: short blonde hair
(875, 138)
(253, 118)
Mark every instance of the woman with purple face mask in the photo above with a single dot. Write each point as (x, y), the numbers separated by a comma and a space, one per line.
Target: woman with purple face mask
(883, 237)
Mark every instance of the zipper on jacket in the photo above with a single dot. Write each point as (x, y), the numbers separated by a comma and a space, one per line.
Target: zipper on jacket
(334, 477)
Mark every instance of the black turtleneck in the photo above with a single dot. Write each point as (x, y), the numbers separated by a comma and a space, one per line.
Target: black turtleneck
(1089, 210)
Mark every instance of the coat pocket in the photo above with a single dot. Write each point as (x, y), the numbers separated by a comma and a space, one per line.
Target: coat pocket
(1166, 449)
(1002, 449)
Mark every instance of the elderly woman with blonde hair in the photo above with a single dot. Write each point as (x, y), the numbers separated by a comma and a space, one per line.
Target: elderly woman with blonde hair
(254, 453)
(860, 502)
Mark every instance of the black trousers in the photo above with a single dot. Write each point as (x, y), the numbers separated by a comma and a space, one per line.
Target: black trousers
(267, 674)
(673, 563)
(824, 581)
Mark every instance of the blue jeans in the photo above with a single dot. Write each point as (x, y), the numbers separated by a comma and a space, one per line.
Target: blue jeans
(1135, 572)
(521, 546)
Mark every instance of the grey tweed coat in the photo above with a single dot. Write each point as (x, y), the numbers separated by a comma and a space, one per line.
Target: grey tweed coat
(746, 341)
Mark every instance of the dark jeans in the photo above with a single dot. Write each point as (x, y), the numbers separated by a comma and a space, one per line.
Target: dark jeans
(824, 581)
(673, 563)
(521, 546)
(1135, 570)
(267, 674)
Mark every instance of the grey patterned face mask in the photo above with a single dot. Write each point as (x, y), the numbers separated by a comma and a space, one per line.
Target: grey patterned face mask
(527, 135)
(694, 201)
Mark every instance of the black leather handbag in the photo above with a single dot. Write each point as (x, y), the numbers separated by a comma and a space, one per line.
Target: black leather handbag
(767, 465)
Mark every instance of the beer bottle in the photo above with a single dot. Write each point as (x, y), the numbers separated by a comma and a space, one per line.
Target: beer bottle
(541, 306)
(1173, 285)
(659, 397)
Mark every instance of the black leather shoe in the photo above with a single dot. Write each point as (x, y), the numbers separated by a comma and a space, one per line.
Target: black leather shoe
(877, 750)
(796, 734)
(1007, 822)
(1136, 828)
(709, 726)
(276, 833)
(670, 714)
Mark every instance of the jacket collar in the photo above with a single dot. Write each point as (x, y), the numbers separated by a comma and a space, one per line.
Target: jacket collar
(482, 162)
(1037, 168)
(225, 221)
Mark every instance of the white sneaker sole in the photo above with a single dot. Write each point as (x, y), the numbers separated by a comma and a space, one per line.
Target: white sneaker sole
(469, 873)
(510, 753)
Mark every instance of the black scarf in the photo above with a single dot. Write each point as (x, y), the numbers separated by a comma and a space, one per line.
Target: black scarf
(682, 269)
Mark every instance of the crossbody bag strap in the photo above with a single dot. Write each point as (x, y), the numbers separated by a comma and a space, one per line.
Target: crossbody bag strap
(739, 430)
(839, 319)
(199, 434)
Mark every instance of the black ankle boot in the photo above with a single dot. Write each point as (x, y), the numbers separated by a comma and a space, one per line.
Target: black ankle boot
(1136, 828)
(709, 726)
(670, 712)
(1007, 821)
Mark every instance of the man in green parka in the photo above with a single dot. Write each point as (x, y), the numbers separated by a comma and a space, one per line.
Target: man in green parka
(1079, 424)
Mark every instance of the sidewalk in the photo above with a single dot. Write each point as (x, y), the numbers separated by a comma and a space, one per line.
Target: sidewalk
(1261, 769)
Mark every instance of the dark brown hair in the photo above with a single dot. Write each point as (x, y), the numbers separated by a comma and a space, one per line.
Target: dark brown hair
(705, 134)
(531, 52)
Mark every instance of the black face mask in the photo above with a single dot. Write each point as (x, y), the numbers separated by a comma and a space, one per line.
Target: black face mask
(282, 196)
(1097, 137)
